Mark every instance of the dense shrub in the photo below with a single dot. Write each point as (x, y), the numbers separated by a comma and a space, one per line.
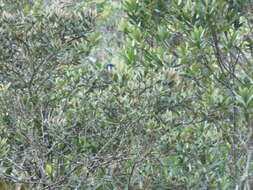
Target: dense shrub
(174, 113)
(210, 44)
(38, 44)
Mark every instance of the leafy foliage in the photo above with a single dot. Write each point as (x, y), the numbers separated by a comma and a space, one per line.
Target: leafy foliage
(174, 113)
(203, 41)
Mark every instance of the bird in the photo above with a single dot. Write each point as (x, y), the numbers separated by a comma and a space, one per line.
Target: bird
(105, 74)
(109, 66)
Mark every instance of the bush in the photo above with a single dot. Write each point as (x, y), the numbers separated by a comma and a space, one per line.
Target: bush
(174, 113)
(38, 44)
(207, 42)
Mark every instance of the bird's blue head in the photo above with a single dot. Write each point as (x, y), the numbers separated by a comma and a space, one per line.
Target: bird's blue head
(109, 66)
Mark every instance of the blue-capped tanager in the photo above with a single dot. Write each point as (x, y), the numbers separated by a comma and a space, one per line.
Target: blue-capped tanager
(105, 74)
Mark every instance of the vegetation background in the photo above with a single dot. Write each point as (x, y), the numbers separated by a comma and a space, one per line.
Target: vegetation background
(175, 113)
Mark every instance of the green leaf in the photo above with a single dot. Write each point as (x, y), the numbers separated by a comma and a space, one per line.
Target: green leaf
(49, 169)
(241, 101)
